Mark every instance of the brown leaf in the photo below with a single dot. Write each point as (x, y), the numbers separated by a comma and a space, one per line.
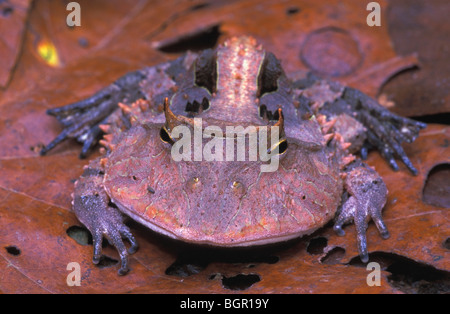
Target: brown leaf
(418, 28)
(117, 37)
(13, 16)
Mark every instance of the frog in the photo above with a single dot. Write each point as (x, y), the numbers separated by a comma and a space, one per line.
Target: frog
(320, 132)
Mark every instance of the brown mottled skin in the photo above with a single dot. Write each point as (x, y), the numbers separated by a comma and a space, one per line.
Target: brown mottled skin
(230, 203)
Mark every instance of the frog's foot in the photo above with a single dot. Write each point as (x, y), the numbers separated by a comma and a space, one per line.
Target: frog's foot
(386, 131)
(365, 199)
(92, 206)
(81, 120)
(110, 225)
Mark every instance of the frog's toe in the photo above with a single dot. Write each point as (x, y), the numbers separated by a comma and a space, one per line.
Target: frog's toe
(81, 119)
(126, 234)
(115, 231)
(386, 131)
(367, 199)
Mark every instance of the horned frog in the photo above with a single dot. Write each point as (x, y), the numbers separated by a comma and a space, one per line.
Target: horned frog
(321, 126)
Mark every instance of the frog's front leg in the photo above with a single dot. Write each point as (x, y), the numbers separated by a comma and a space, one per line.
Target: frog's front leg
(385, 130)
(92, 206)
(81, 120)
(364, 200)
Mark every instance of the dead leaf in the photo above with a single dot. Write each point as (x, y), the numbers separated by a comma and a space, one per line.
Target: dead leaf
(117, 37)
(416, 27)
(13, 16)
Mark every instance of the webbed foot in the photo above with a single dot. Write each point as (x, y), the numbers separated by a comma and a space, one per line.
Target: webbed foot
(366, 199)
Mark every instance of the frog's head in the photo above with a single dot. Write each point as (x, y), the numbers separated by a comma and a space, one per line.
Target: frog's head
(205, 197)
(239, 84)
(190, 185)
(192, 139)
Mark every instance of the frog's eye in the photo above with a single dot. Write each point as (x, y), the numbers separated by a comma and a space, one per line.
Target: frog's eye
(172, 121)
(282, 145)
(165, 136)
(280, 148)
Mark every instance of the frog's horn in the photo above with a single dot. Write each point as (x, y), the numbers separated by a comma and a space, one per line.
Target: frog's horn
(173, 120)
(281, 142)
(280, 123)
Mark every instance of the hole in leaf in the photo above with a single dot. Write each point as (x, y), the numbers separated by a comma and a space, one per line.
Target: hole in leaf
(409, 276)
(13, 250)
(106, 261)
(446, 244)
(333, 256)
(194, 260)
(213, 276)
(240, 282)
(317, 245)
(202, 40)
(437, 186)
(80, 235)
(292, 10)
(184, 268)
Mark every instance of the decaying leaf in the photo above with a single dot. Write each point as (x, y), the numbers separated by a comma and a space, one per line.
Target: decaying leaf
(117, 37)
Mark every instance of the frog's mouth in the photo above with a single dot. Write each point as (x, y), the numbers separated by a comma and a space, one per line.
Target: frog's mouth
(249, 237)
(236, 128)
(253, 143)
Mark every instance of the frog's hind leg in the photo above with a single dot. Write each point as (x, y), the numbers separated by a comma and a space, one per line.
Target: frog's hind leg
(93, 208)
